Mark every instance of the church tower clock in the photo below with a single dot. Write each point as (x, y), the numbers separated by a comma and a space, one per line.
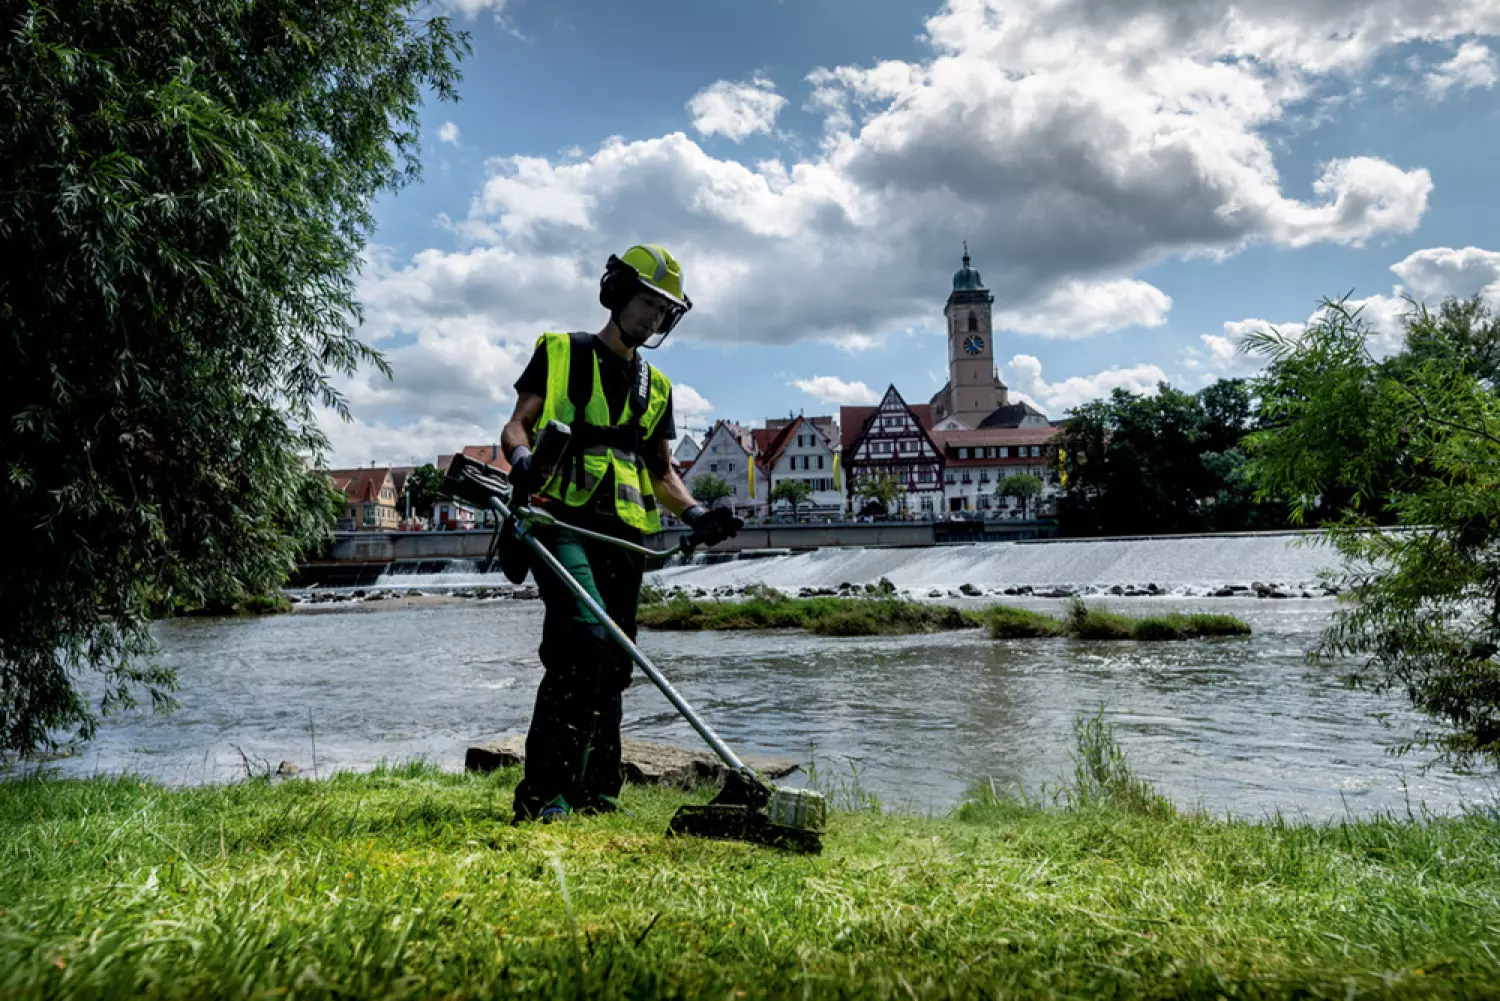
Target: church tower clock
(974, 390)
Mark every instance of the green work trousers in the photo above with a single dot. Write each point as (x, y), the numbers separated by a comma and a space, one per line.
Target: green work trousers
(573, 746)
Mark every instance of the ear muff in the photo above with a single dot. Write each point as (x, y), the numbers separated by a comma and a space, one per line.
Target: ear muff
(620, 283)
(617, 285)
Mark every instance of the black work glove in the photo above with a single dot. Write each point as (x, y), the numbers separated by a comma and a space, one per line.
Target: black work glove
(711, 527)
(523, 480)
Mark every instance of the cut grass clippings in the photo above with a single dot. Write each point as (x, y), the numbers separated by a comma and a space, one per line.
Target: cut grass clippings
(410, 883)
(885, 616)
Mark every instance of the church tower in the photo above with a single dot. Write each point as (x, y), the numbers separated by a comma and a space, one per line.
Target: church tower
(974, 389)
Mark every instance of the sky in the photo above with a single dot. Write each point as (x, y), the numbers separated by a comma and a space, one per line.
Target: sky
(1139, 182)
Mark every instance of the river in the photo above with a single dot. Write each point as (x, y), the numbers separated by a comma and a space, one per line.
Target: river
(1242, 726)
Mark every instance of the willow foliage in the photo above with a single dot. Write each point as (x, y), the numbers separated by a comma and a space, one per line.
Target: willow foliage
(1413, 439)
(185, 192)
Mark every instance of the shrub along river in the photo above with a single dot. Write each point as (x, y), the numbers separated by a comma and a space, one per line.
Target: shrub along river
(1241, 725)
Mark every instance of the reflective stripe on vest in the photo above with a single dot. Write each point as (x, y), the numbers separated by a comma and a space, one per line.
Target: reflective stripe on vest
(635, 499)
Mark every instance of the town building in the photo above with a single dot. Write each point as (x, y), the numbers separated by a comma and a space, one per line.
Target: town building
(728, 453)
(686, 451)
(799, 448)
(369, 498)
(891, 439)
(977, 461)
(974, 395)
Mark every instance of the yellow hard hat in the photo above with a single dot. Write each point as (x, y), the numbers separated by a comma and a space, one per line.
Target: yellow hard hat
(644, 266)
(657, 268)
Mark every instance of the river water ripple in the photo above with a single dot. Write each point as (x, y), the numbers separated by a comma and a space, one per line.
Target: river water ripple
(1243, 726)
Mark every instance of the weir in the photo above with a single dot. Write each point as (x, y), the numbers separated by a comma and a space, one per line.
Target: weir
(1172, 563)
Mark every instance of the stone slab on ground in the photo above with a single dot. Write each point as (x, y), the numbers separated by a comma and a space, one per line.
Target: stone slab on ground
(645, 762)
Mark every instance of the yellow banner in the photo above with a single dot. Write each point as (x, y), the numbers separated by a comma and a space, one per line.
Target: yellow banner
(1062, 467)
(752, 479)
(836, 484)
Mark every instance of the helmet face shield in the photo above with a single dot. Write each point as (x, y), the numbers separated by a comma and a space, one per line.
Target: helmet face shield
(640, 306)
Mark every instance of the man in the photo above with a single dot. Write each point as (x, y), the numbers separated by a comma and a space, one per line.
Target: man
(617, 476)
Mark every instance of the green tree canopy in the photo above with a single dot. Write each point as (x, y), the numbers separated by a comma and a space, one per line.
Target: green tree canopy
(878, 490)
(187, 191)
(794, 492)
(1162, 463)
(424, 489)
(1414, 440)
(710, 488)
(1023, 487)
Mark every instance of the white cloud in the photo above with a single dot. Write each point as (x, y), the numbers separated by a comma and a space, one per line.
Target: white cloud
(1073, 142)
(832, 389)
(473, 8)
(736, 110)
(689, 406)
(1439, 272)
(361, 442)
(1074, 309)
(1472, 66)
(1025, 375)
(448, 133)
(1221, 357)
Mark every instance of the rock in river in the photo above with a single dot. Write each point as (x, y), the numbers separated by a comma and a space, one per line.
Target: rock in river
(645, 762)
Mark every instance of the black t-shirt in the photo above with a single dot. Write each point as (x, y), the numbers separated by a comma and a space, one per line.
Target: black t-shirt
(615, 379)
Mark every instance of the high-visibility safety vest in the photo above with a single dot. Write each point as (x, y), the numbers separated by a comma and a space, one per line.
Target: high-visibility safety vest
(601, 441)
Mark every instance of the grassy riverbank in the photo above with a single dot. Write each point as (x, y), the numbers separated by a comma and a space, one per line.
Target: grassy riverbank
(884, 616)
(409, 883)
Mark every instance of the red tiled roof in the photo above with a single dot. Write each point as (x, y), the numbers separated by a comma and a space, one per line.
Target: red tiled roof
(360, 485)
(852, 421)
(774, 444)
(764, 437)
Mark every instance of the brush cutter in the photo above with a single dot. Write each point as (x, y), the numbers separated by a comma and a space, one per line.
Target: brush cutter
(748, 807)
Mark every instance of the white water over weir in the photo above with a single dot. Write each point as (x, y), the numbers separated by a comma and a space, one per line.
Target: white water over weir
(1172, 563)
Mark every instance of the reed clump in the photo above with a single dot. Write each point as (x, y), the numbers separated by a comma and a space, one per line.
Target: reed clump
(767, 609)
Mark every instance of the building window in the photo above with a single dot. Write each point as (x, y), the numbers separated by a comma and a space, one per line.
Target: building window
(963, 453)
(984, 476)
(731, 467)
(1036, 450)
(992, 452)
(714, 449)
(820, 462)
(973, 321)
(948, 477)
(713, 467)
(1004, 452)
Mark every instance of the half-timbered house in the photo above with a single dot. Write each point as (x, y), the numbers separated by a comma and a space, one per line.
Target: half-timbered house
(892, 439)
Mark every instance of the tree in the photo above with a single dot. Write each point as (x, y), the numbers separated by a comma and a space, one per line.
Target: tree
(187, 195)
(878, 490)
(423, 489)
(710, 488)
(1414, 439)
(794, 492)
(1162, 463)
(1023, 486)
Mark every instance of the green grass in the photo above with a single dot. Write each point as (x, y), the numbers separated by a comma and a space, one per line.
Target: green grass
(410, 883)
(1006, 623)
(824, 616)
(766, 608)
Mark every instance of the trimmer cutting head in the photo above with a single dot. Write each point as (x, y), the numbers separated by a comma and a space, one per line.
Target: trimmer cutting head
(750, 809)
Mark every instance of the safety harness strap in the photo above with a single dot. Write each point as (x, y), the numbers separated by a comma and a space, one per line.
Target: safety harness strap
(625, 436)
